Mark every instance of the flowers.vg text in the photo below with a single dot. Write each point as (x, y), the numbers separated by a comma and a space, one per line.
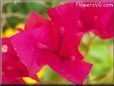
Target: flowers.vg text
(95, 4)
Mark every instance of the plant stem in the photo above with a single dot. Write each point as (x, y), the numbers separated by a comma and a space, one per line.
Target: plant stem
(91, 38)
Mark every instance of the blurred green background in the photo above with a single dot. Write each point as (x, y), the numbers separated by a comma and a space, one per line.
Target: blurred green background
(97, 51)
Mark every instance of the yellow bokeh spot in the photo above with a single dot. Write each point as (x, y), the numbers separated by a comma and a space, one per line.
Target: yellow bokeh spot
(20, 25)
(41, 73)
(9, 32)
(29, 80)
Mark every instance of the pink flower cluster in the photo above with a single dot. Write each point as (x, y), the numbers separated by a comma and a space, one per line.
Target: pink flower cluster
(55, 42)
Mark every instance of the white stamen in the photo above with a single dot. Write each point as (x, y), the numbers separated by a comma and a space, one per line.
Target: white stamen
(79, 23)
(73, 58)
(4, 48)
(62, 30)
(96, 17)
(42, 46)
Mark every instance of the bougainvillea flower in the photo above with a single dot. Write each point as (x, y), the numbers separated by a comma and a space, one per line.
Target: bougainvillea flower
(12, 68)
(65, 18)
(46, 44)
(99, 20)
(95, 19)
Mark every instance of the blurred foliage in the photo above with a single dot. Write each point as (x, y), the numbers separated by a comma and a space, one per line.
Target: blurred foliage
(95, 50)
(17, 12)
(100, 54)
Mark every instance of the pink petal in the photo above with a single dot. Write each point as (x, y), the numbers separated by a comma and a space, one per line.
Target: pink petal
(99, 20)
(35, 20)
(28, 45)
(79, 69)
(12, 67)
(69, 49)
(105, 24)
(65, 18)
(74, 71)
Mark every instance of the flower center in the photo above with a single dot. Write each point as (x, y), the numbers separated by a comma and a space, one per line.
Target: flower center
(4, 48)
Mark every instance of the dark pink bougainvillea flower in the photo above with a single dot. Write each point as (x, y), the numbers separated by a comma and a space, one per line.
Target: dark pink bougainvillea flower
(12, 68)
(43, 43)
(100, 20)
(55, 41)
